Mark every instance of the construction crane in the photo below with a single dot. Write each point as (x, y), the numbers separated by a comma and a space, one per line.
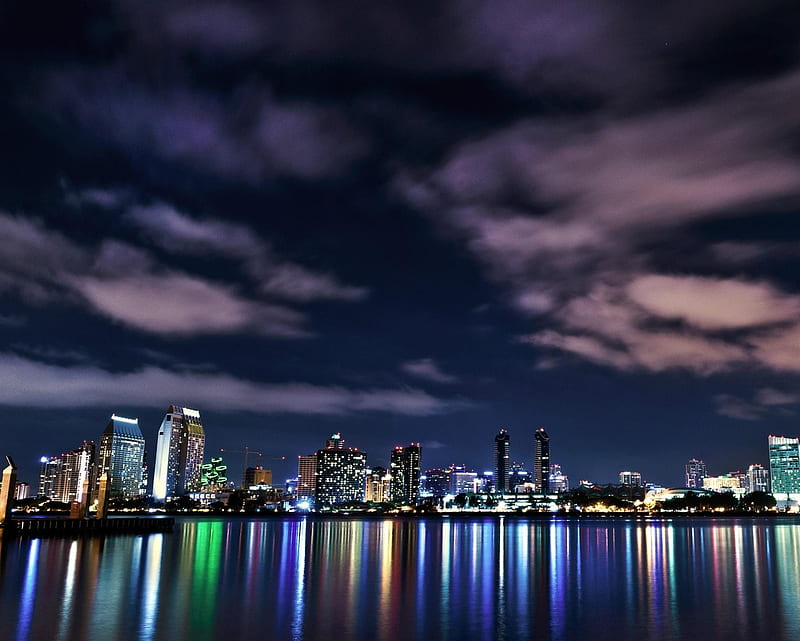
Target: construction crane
(247, 452)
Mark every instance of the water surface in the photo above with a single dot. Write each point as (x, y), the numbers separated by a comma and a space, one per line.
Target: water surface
(386, 580)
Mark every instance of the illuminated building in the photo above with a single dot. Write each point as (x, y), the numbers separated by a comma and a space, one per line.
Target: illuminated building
(21, 491)
(340, 474)
(213, 475)
(518, 477)
(784, 464)
(558, 482)
(306, 477)
(541, 462)
(722, 483)
(179, 453)
(757, 479)
(76, 467)
(404, 468)
(257, 476)
(437, 482)
(50, 467)
(502, 448)
(121, 456)
(695, 473)
(633, 479)
(462, 481)
(378, 485)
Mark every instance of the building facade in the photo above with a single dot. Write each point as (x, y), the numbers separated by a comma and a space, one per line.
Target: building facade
(76, 467)
(502, 452)
(179, 453)
(784, 464)
(757, 478)
(50, 467)
(405, 469)
(633, 479)
(378, 485)
(559, 482)
(541, 462)
(340, 474)
(121, 457)
(436, 482)
(695, 472)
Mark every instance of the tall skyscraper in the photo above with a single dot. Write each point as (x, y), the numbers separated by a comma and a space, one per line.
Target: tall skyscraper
(695, 473)
(340, 474)
(559, 482)
(121, 457)
(76, 467)
(404, 468)
(757, 479)
(784, 464)
(50, 467)
(541, 462)
(306, 477)
(502, 449)
(179, 453)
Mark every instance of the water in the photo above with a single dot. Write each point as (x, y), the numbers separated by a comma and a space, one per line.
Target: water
(443, 579)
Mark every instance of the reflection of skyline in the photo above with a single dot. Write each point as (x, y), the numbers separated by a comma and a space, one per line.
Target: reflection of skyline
(443, 579)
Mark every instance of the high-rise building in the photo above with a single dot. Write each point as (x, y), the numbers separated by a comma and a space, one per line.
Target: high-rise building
(518, 477)
(757, 479)
(695, 473)
(436, 483)
(340, 474)
(50, 467)
(179, 453)
(257, 476)
(22, 491)
(462, 480)
(213, 475)
(378, 485)
(541, 462)
(76, 467)
(632, 479)
(335, 442)
(784, 464)
(502, 449)
(404, 468)
(121, 457)
(306, 477)
(559, 482)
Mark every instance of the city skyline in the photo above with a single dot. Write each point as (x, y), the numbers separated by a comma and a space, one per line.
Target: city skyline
(404, 225)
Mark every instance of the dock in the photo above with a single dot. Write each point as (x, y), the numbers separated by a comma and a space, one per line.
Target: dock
(39, 527)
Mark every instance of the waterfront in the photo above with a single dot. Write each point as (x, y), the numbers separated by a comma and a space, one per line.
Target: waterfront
(451, 579)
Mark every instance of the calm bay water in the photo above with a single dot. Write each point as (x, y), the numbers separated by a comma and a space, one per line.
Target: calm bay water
(447, 579)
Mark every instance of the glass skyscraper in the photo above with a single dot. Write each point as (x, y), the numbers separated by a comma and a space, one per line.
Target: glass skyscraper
(121, 457)
(502, 451)
(541, 462)
(784, 464)
(76, 467)
(404, 468)
(695, 473)
(179, 453)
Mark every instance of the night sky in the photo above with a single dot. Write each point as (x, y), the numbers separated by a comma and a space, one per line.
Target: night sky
(405, 222)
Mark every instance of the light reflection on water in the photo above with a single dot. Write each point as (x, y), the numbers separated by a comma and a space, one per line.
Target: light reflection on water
(444, 579)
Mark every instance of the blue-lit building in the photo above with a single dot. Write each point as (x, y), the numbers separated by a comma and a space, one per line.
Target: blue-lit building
(784, 464)
(121, 457)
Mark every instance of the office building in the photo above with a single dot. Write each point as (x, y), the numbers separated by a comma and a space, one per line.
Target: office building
(784, 464)
(378, 485)
(519, 480)
(757, 479)
(213, 475)
(631, 479)
(695, 473)
(404, 468)
(436, 482)
(179, 453)
(559, 482)
(340, 474)
(723, 483)
(257, 475)
(502, 449)
(76, 467)
(21, 491)
(50, 467)
(306, 477)
(541, 462)
(121, 457)
(462, 480)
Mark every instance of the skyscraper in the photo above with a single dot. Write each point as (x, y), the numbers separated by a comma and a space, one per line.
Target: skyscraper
(121, 456)
(784, 464)
(559, 482)
(378, 485)
(633, 479)
(502, 448)
(541, 462)
(757, 479)
(340, 474)
(695, 473)
(75, 468)
(437, 482)
(51, 465)
(306, 477)
(179, 453)
(404, 468)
